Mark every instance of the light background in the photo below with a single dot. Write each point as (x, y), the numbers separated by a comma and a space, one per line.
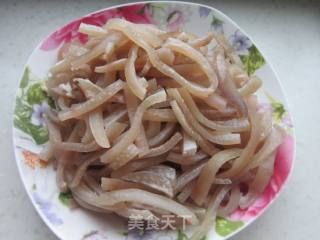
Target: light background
(287, 32)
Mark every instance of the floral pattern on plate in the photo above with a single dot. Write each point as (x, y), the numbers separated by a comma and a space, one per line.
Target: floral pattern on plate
(32, 100)
(46, 207)
(32, 160)
(172, 17)
(137, 13)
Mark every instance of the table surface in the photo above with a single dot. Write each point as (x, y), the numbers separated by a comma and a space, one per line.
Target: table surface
(287, 32)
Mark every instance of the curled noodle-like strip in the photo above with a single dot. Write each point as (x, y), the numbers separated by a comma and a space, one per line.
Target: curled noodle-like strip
(128, 29)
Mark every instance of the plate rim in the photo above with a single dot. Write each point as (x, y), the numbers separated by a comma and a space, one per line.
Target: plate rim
(287, 103)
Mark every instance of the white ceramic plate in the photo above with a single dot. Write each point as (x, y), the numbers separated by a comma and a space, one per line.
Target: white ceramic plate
(30, 134)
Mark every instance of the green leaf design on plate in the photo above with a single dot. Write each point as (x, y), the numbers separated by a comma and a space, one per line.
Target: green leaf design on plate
(39, 134)
(224, 227)
(124, 233)
(253, 61)
(278, 108)
(22, 121)
(155, 9)
(23, 109)
(32, 91)
(65, 198)
(216, 21)
(182, 235)
(36, 94)
(22, 115)
(25, 78)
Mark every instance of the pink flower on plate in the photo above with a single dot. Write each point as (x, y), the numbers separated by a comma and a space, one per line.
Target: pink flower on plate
(282, 168)
(138, 13)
